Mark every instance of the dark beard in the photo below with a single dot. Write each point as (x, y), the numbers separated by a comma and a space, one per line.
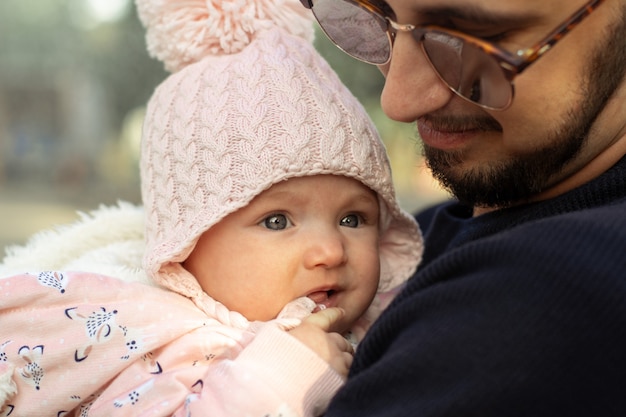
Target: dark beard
(505, 183)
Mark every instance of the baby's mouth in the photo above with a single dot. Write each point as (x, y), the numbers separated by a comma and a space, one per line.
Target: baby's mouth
(322, 299)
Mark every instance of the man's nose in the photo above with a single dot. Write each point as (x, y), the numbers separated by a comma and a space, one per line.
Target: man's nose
(412, 87)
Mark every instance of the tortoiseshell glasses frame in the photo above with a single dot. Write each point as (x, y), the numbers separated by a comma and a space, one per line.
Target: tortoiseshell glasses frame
(476, 70)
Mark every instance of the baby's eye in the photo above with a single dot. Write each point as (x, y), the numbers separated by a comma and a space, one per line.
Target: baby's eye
(351, 220)
(276, 222)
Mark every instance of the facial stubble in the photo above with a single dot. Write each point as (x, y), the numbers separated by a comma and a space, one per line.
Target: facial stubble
(514, 180)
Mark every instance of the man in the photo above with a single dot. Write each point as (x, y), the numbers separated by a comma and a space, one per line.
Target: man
(519, 305)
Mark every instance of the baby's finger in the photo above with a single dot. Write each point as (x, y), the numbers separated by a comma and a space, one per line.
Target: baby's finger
(325, 319)
(341, 342)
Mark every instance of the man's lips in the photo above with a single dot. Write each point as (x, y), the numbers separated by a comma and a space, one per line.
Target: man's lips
(449, 133)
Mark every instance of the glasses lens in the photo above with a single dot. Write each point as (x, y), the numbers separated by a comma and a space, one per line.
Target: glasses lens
(467, 70)
(356, 30)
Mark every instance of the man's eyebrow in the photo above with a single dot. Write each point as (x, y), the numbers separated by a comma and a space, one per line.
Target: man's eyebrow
(477, 15)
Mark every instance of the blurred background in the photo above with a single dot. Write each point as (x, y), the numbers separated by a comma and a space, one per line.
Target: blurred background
(74, 79)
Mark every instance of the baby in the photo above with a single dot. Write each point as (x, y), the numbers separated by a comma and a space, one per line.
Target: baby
(272, 229)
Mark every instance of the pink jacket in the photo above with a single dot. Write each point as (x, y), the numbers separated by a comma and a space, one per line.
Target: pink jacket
(82, 344)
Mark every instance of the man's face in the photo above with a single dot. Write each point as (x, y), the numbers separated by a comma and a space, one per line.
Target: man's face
(552, 129)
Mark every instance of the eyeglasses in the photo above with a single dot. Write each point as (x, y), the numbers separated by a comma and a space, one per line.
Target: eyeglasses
(476, 70)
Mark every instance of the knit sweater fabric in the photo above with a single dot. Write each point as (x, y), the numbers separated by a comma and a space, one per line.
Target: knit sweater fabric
(519, 312)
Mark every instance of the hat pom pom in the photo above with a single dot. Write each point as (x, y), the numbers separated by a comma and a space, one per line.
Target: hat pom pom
(181, 32)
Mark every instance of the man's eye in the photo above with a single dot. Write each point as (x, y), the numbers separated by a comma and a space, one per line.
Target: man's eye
(351, 220)
(493, 38)
(276, 222)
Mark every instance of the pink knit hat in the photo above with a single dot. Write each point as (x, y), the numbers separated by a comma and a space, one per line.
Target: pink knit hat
(251, 103)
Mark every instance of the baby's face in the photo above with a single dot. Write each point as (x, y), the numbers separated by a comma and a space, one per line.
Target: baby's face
(313, 236)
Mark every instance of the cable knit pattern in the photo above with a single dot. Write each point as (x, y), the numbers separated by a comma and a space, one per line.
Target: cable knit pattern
(221, 131)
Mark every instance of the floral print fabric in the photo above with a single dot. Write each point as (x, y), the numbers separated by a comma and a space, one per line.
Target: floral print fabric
(82, 344)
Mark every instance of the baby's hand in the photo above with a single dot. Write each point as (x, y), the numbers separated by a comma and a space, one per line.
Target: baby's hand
(315, 332)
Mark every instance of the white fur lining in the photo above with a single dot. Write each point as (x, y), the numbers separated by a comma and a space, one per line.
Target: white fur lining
(109, 241)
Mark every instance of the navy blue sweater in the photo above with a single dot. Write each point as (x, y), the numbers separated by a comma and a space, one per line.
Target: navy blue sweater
(519, 312)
